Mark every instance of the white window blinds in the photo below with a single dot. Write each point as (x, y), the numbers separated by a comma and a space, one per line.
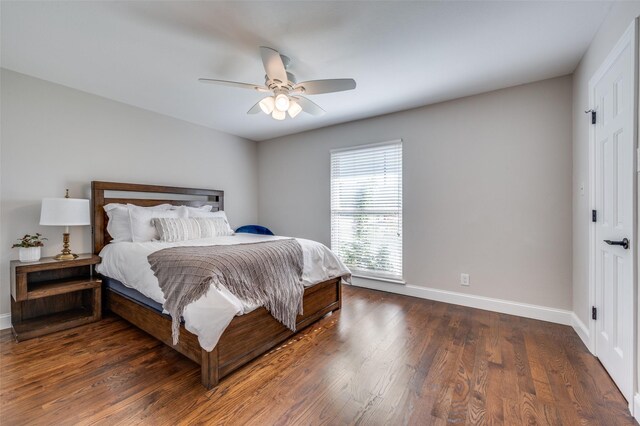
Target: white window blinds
(366, 208)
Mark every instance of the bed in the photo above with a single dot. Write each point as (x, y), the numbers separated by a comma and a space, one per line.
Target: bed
(246, 337)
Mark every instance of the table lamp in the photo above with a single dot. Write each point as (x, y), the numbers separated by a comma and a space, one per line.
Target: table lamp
(65, 212)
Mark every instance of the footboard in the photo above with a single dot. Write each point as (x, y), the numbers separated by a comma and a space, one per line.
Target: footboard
(247, 336)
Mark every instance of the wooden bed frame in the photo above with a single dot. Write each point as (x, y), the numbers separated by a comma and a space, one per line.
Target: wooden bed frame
(247, 336)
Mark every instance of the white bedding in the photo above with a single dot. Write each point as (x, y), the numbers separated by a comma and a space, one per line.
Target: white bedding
(208, 317)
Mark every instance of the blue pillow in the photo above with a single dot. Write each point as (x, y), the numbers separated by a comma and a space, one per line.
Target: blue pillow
(254, 229)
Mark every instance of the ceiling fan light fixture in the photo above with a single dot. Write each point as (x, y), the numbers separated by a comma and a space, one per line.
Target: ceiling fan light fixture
(282, 103)
(294, 109)
(285, 89)
(267, 104)
(278, 115)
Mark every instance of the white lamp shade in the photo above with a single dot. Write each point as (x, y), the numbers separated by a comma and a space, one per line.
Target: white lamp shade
(65, 212)
(282, 102)
(278, 115)
(267, 104)
(294, 109)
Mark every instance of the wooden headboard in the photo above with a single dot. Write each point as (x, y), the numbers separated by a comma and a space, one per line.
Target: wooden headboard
(187, 197)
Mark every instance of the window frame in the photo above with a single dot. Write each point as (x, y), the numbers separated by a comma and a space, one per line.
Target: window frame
(364, 273)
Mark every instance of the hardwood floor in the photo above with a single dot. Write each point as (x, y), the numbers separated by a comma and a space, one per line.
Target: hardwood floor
(382, 360)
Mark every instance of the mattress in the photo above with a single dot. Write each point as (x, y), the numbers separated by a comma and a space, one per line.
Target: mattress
(132, 294)
(209, 316)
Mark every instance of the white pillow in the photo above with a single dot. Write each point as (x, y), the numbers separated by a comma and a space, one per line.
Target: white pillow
(219, 214)
(213, 227)
(203, 209)
(119, 224)
(142, 228)
(172, 229)
(199, 213)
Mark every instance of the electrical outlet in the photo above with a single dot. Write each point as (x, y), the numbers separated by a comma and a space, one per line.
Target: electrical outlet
(464, 279)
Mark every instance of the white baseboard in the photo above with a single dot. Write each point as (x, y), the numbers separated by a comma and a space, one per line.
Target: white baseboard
(5, 321)
(581, 330)
(636, 407)
(559, 316)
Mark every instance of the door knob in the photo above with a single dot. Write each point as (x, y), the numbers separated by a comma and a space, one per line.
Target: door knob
(624, 243)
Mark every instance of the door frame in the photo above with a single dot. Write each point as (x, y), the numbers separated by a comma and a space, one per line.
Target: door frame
(629, 36)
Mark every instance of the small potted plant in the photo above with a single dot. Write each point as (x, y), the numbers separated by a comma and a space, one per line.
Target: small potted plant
(29, 246)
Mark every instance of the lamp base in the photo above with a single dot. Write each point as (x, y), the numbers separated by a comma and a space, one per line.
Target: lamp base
(66, 252)
(65, 256)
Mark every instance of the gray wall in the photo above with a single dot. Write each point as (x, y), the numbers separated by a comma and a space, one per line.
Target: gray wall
(54, 137)
(487, 190)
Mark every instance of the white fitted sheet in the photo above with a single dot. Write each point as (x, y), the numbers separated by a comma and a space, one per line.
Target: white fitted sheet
(210, 315)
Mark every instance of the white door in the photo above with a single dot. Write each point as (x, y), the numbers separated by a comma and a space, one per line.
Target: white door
(613, 95)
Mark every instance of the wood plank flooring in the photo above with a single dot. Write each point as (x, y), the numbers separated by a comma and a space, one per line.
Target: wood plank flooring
(383, 359)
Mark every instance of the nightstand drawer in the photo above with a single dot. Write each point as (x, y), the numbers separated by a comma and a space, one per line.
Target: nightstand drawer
(51, 288)
(37, 317)
(35, 276)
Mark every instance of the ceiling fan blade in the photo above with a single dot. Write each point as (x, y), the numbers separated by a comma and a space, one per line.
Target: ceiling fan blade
(273, 65)
(316, 87)
(234, 84)
(255, 109)
(309, 107)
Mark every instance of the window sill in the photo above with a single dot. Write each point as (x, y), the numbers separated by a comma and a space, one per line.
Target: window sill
(387, 280)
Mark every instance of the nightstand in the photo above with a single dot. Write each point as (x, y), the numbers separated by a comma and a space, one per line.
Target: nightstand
(52, 295)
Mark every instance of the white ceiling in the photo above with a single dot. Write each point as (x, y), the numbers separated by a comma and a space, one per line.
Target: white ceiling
(402, 54)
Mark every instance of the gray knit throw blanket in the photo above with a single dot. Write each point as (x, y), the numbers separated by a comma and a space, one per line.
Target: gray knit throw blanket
(267, 273)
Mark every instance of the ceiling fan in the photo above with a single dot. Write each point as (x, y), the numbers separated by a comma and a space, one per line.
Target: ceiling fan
(286, 91)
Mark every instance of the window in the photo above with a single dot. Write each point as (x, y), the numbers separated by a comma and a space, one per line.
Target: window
(366, 209)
